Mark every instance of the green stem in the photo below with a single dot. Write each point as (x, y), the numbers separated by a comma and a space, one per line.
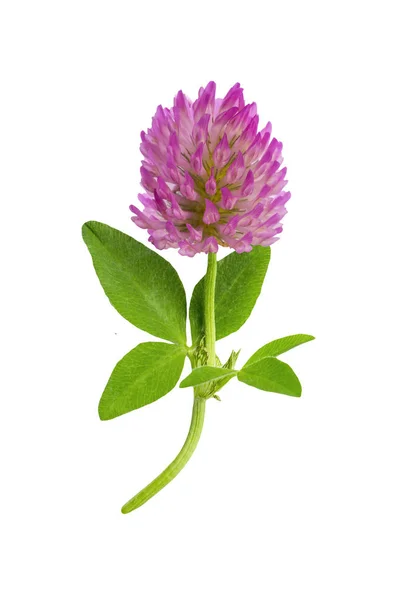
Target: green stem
(209, 307)
(199, 403)
(177, 464)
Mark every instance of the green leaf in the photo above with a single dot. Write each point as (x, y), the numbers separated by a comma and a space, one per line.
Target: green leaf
(140, 284)
(206, 375)
(239, 281)
(279, 347)
(271, 375)
(146, 373)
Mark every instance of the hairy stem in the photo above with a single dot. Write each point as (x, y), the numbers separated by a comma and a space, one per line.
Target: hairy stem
(199, 403)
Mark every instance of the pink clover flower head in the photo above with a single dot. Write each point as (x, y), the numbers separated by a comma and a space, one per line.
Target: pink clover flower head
(210, 177)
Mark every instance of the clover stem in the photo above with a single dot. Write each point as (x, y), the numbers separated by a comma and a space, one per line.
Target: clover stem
(209, 307)
(177, 464)
(199, 402)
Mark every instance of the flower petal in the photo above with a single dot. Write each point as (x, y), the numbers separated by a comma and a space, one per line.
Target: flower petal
(211, 214)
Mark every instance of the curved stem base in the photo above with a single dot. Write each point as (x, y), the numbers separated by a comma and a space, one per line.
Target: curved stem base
(196, 426)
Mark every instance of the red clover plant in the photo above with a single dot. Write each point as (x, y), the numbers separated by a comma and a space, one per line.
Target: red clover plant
(211, 179)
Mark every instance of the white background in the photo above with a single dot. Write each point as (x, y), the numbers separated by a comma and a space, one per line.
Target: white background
(285, 498)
